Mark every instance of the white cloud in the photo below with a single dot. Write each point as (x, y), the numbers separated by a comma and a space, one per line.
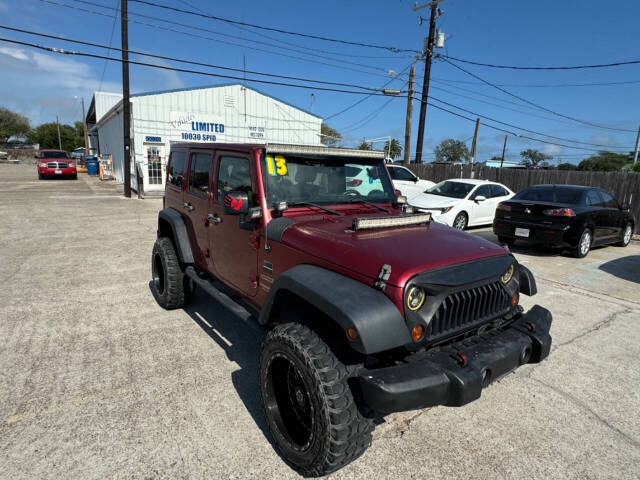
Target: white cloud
(552, 149)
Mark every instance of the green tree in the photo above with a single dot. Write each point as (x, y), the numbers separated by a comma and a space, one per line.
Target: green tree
(604, 162)
(47, 136)
(12, 123)
(329, 136)
(394, 150)
(532, 157)
(636, 167)
(364, 145)
(451, 150)
(567, 166)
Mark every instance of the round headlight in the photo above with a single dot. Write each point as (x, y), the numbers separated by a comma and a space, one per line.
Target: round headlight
(415, 298)
(508, 275)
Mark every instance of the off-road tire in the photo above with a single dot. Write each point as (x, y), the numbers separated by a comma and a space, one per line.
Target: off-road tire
(338, 433)
(508, 241)
(624, 240)
(580, 251)
(40, 176)
(461, 221)
(74, 176)
(167, 276)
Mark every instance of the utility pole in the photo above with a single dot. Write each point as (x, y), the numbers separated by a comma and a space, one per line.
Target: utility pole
(407, 126)
(427, 74)
(126, 102)
(58, 125)
(635, 156)
(84, 126)
(504, 148)
(473, 145)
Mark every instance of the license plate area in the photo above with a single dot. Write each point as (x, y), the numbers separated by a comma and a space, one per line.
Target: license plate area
(522, 232)
(58, 171)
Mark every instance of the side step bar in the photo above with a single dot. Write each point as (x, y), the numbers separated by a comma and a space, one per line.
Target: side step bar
(234, 307)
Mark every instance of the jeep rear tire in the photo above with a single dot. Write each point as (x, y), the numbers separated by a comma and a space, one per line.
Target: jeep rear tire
(167, 276)
(309, 407)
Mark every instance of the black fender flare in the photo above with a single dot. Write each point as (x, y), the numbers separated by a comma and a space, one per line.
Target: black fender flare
(350, 303)
(179, 232)
(527, 281)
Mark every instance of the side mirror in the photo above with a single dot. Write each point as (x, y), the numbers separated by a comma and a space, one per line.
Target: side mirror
(480, 198)
(625, 207)
(415, 179)
(36, 156)
(236, 203)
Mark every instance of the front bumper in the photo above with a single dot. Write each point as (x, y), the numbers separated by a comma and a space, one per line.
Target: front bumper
(57, 171)
(455, 375)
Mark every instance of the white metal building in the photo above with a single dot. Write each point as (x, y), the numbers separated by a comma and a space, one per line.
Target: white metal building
(224, 113)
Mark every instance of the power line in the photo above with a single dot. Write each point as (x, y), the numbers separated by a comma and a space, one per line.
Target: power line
(184, 70)
(542, 85)
(194, 27)
(190, 62)
(520, 67)
(510, 132)
(273, 29)
(525, 129)
(364, 98)
(532, 103)
(225, 42)
(113, 28)
(340, 54)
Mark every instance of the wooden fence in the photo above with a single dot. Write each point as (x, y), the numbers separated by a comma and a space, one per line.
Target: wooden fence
(623, 186)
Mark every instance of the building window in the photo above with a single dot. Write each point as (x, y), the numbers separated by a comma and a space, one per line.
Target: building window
(154, 165)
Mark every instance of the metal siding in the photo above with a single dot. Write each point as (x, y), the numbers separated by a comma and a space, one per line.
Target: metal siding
(105, 101)
(112, 142)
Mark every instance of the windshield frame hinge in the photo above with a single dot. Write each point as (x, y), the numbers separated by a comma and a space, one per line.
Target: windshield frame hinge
(383, 276)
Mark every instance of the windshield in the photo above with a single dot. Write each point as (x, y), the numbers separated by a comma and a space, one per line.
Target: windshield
(451, 189)
(53, 155)
(325, 180)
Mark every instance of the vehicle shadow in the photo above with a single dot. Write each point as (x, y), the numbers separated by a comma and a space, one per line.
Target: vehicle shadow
(626, 268)
(240, 336)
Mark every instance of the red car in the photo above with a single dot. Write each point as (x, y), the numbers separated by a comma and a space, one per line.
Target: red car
(55, 163)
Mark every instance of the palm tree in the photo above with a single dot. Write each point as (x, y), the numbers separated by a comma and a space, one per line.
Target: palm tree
(394, 150)
(364, 145)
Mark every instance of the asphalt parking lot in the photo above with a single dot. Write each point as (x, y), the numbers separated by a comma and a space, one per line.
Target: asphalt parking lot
(99, 382)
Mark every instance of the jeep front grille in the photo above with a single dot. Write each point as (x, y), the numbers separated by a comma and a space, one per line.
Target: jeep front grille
(461, 310)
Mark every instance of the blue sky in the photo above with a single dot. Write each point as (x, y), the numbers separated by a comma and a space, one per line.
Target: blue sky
(544, 32)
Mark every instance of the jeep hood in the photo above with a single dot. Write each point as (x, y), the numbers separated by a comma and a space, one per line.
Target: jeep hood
(408, 250)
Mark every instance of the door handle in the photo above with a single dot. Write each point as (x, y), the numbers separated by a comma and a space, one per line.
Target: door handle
(214, 218)
(188, 206)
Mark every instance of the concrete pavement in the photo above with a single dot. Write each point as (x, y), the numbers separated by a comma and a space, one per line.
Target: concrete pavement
(99, 382)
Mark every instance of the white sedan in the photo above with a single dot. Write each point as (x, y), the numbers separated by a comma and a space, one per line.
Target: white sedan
(405, 181)
(462, 203)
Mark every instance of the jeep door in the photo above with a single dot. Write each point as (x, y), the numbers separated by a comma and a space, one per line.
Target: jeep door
(235, 257)
(175, 180)
(196, 200)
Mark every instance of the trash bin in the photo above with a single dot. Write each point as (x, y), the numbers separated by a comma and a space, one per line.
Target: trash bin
(92, 166)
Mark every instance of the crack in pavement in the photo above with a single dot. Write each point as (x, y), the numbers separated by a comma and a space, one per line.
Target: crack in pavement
(585, 407)
(595, 295)
(604, 323)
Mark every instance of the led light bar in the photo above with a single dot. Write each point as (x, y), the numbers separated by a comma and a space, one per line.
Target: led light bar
(368, 223)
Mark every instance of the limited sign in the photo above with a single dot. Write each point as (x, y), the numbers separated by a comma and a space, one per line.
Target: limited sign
(196, 127)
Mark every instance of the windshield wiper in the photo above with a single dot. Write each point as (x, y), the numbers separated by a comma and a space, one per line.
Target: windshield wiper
(358, 200)
(310, 204)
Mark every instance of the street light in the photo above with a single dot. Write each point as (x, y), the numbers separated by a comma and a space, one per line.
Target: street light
(390, 91)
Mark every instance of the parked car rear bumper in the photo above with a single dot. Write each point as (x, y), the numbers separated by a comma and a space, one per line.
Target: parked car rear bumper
(455, 375)
(551, 234)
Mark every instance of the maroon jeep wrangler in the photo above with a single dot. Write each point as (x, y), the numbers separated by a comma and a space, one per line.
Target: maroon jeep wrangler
(370, 307)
